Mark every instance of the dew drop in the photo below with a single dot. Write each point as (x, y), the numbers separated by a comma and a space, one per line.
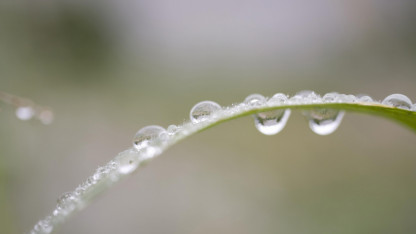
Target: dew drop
(24, 112)
(271, 122)
(344, 98)
(172, 129)
(147, 136)
(278, 98)
(255, 100)
(43, 226)
(202, 111)
(330, 97)
(150, 152)
(398, 101)
(128, 161)
(304, 97)
(46, 116)
(65, 199)
(324, 121)
(365, 99)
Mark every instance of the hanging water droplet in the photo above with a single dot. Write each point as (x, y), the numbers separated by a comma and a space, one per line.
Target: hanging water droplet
(278, 99)
(398, 101)
(24, 112)
(128, 161)
(271, 122)
(255, 100)
(146, 136)
(324, 121)
(202, 111)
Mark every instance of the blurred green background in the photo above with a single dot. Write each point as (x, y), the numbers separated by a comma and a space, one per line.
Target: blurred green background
(108, 68)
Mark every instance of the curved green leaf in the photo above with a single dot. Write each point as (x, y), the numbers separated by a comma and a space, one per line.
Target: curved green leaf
(109, 174)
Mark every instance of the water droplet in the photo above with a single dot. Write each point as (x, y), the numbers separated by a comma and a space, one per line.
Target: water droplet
(24, 112)
(365, 98)
(398, 101)
(128, 161)
(271, 122)
(44, 226)
(255, 100)
(150, 152)
(344, 98)
(65, 199)
(56, 212)
(278, 98)
(324, 121)
(146, 136)
(202, 111)
(172, 129)
(330, 97)
(46, 116)
(304, 97)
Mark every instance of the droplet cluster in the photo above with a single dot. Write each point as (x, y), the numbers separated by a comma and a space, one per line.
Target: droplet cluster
(151, 140)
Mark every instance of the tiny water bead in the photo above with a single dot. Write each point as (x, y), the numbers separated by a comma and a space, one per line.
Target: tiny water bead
(147, 136)
(398, 101)
(172, 129)
(128, 161)
(255, 100)
(305, 97)
(44, 226)
(271, 122)
(365, 99)
(65, 198)
(324, 121)
(203, 110)
(330, 97)
(278, 98)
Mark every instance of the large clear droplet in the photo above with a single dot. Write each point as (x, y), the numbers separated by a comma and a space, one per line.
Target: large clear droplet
(271, 122)
(147, 136)
(255, 100)
(324, 121)
(128, 161)
(399, 101)
(202, 111)
(25, 112)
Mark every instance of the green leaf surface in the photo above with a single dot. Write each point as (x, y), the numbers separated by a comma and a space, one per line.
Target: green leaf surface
(109, 174)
